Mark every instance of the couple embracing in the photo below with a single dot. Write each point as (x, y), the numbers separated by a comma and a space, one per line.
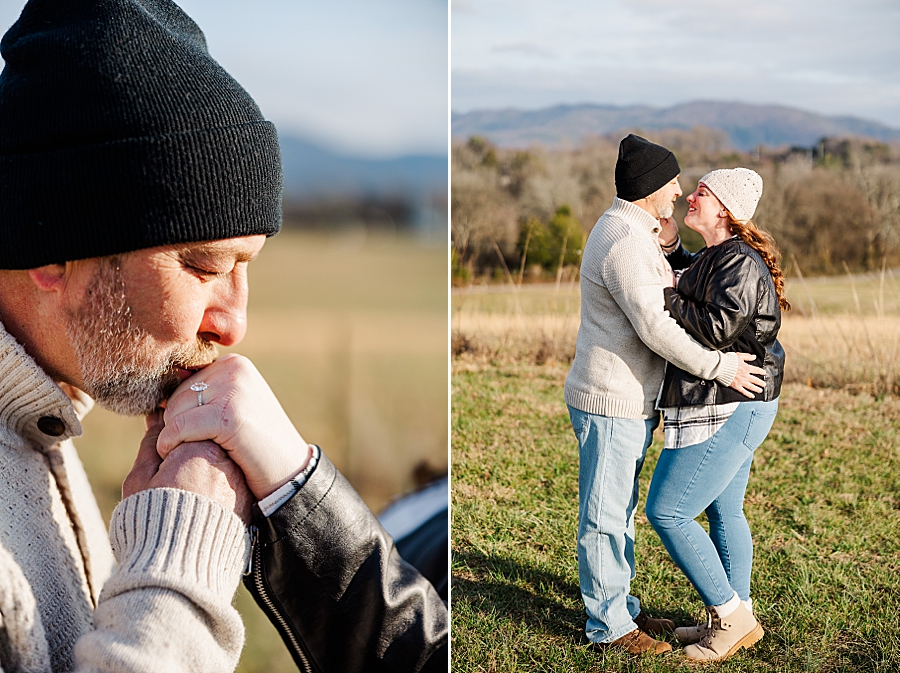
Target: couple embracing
(703, 350)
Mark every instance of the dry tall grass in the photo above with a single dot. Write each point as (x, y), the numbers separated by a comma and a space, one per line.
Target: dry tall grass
(493, 337)
(859, 353)
(854, 349)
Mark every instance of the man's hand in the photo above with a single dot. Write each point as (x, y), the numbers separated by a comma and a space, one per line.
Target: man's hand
(749, 379)
(200, 467)
(241, 414)
(668, 230)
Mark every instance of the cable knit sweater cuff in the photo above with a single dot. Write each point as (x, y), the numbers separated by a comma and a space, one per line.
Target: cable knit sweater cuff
(727, 368)
(177, 540)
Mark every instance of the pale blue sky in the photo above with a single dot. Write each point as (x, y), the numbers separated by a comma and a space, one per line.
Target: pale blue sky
(366, 77)
(836, 57)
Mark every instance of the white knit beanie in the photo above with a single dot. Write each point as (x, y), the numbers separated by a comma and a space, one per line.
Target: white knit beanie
(738, 189)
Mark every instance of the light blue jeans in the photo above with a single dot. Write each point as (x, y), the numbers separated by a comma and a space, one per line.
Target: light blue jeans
(612, 454)
(712, 477)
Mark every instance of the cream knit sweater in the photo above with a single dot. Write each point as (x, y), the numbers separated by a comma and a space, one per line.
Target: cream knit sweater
(64, 605)
(626, 335)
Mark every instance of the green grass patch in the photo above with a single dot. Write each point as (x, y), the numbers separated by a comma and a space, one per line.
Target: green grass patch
(823, 503)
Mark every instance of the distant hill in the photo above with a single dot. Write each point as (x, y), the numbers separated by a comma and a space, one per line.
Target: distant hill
(747, 126)
(312, 171)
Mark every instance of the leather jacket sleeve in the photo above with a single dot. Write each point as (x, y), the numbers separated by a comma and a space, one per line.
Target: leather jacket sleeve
(680, 257)
(727, 305)
(332, 582)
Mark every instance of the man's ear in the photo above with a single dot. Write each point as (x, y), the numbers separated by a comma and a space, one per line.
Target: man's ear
(50, 278)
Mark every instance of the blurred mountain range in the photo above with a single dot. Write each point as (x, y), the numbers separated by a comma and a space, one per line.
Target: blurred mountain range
(747, 126)
(329, 190)
(314, 172)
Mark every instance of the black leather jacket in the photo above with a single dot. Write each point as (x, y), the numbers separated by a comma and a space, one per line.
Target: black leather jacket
(726, 300)
(330, 579)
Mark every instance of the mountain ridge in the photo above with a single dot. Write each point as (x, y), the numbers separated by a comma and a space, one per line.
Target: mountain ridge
(747, 125)
(313, 171)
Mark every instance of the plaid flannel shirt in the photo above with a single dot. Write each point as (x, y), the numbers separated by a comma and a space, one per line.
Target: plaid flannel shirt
(687, 426)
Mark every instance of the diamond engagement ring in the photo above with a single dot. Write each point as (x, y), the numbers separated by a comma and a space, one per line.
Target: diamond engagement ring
(199, 388)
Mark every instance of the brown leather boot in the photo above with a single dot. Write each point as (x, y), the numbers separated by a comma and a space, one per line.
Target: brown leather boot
(636, 642)
(687, 635)
(653, 626)
(725, 635)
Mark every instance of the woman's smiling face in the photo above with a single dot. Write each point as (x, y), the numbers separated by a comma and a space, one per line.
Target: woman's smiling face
(705, 211)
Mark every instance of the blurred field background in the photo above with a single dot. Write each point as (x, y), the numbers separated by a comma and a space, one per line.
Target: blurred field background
(350, 331)
(823, 499)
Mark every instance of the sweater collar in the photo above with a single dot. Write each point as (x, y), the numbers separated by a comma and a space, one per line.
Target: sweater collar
(634, 214)
(32, 405)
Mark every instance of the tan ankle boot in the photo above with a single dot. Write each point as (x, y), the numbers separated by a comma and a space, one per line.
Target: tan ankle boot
(688, 635)
(725, 635)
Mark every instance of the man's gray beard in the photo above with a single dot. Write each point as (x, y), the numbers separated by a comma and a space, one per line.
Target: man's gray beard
(663, 207)
(119, 367)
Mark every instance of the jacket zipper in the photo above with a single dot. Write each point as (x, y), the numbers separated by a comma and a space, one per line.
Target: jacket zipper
(254, 568)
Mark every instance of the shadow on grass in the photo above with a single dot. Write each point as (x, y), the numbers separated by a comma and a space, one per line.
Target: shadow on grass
(534, 596)
(519, 592)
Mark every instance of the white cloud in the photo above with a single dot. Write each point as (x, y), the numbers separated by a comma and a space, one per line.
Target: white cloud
(461, 6)
(837, 57)
(525, 49)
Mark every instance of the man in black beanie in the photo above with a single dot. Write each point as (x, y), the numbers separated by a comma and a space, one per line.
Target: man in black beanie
(624, 340)
(137, 182)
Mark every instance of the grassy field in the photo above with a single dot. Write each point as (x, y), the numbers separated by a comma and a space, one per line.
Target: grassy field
(823, 499)
(353, 339)
(869, 294)
(842, 332)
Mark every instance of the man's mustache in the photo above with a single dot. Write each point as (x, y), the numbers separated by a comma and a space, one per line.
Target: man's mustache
(196, 356)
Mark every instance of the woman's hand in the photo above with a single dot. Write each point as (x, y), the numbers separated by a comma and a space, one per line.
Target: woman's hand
(241, 414)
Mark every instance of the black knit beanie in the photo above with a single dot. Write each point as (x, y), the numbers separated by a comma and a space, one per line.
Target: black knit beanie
(118, 131)
(642, 168)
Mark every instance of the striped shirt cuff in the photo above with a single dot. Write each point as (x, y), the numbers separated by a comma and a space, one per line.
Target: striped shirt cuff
(270, 504)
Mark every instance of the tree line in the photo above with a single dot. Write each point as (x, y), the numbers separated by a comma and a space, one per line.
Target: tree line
(524, 215)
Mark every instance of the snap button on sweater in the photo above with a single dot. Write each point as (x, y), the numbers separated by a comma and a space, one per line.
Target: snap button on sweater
(50, 425)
